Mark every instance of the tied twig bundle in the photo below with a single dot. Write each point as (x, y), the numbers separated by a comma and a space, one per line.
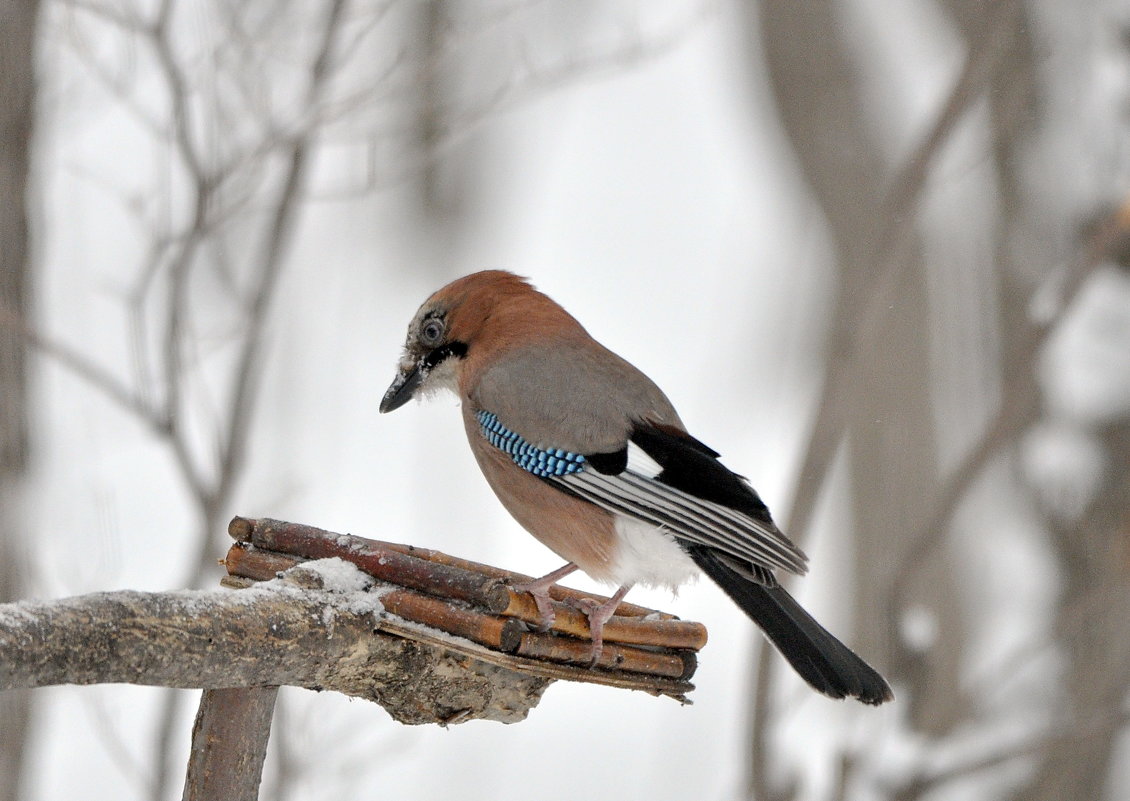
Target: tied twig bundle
(644, 649)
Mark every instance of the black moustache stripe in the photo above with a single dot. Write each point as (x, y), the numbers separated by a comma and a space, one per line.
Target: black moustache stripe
(444, 352)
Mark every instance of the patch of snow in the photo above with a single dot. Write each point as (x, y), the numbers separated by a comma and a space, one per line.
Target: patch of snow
(339, 575)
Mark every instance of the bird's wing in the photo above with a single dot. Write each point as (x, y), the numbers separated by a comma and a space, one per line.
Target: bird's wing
(666, 477)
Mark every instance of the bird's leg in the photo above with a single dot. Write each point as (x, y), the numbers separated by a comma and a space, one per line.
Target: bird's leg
(539, 588)
(598, 615)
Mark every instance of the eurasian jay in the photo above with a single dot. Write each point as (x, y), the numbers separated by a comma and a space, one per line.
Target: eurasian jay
(590, 457)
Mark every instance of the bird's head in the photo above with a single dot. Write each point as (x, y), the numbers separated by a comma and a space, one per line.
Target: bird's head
(475, 314)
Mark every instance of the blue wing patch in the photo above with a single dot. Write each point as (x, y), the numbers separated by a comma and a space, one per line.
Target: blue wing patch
(543, 462)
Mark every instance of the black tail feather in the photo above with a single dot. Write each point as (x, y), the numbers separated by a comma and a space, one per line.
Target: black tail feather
(821, 660)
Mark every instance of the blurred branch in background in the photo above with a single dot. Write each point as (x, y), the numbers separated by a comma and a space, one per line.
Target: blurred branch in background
(1020, 408)
(245, 183)
(875, 398)
(18, 37)
(881, 402)
(234, 102)
(1089, 536)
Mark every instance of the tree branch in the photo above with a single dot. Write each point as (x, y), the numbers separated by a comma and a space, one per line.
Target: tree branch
(413, 629)
(1021, 404)
(269, 635)
(229, 744)
(101, 379)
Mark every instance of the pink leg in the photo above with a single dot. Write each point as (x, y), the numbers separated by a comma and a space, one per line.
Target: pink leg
(598, 615)
(539, 588)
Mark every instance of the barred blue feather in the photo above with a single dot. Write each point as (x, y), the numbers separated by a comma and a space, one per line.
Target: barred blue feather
(543, 462)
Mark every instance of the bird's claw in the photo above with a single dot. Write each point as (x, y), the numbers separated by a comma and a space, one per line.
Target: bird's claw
(539, 589)
(598, 614)
(545, 609)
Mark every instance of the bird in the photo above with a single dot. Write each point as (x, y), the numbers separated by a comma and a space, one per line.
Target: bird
(591, 458)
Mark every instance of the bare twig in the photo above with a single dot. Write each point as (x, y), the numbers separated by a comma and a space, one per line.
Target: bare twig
(161, 774)
(184, 146)
(80, 365)
(759, 782)
(1020, 405)
(233, 445)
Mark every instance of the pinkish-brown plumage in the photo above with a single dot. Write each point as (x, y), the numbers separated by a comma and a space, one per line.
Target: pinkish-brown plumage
(575, 530)
(590, 457)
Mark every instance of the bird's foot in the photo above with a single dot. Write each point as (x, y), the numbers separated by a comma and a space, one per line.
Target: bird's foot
(539, 589)
(598, 614)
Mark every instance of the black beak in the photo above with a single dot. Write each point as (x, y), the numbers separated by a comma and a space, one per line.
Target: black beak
(410, 377)
(404, 387)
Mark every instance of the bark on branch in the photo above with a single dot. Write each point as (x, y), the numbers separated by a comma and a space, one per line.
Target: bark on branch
(272, 634)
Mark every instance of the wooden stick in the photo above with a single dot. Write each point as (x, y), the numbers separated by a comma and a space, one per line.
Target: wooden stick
(382, 563)
(257, 564)
(502, 633)
(633, 630)
(557, 592)
(229, 744)
(679, 665)
(451, 577)
(237, 582)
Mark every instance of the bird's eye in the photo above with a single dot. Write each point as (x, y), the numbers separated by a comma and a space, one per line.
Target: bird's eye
(431, 334)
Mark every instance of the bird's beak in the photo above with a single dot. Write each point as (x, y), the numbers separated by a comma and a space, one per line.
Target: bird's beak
(404, 386)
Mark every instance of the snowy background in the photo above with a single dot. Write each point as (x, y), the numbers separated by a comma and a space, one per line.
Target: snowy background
(630, 159)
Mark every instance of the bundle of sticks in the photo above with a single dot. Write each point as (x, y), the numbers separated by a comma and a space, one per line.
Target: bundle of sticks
(643, 649)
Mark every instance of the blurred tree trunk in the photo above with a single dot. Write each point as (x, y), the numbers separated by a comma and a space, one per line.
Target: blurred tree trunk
(1091, 632)
(1094, 633)
(17, 108)
(877, 391)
